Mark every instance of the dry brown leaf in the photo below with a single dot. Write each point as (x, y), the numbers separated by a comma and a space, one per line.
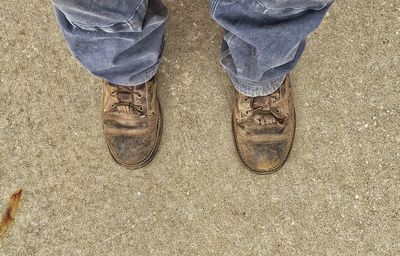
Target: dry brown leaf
(11, 211)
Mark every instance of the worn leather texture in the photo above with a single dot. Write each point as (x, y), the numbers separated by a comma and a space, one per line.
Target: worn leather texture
(131, 122)
(264, 128)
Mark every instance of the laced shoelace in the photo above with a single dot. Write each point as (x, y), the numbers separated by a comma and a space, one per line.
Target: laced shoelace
(266, 108)
(128, 103)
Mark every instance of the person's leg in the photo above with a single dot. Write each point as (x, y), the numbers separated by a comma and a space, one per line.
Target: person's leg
(263, 41)
(121, 41)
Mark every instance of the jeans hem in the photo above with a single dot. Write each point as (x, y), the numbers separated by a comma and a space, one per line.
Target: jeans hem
(256, 89)
(140, 78)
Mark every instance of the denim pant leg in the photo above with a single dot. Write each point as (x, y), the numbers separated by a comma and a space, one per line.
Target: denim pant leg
(264, 39)
(120, 41)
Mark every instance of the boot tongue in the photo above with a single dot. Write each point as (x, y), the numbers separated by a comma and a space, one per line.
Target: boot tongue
(264, 102)
(124, 96)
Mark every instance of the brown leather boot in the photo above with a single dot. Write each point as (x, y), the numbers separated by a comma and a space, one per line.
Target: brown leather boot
(264, 128)
(132, 122)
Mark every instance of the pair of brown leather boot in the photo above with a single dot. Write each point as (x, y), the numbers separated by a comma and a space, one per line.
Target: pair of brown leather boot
(263, 127)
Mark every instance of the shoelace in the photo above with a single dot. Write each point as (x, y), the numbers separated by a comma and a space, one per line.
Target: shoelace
(129, 103)
(266, 109)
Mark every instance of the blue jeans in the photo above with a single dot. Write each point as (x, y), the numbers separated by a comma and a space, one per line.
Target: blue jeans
(122, 40)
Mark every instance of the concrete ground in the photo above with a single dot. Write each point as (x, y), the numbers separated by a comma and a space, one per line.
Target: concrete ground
(338, 194)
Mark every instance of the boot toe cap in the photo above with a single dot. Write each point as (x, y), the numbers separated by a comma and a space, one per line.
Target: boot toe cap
(130, 151)
(264, 157)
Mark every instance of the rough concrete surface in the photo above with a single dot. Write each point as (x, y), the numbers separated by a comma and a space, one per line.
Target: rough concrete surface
(338, 194)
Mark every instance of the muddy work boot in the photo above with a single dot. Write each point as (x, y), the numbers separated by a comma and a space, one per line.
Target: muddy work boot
(264, 128)
(132, 122)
